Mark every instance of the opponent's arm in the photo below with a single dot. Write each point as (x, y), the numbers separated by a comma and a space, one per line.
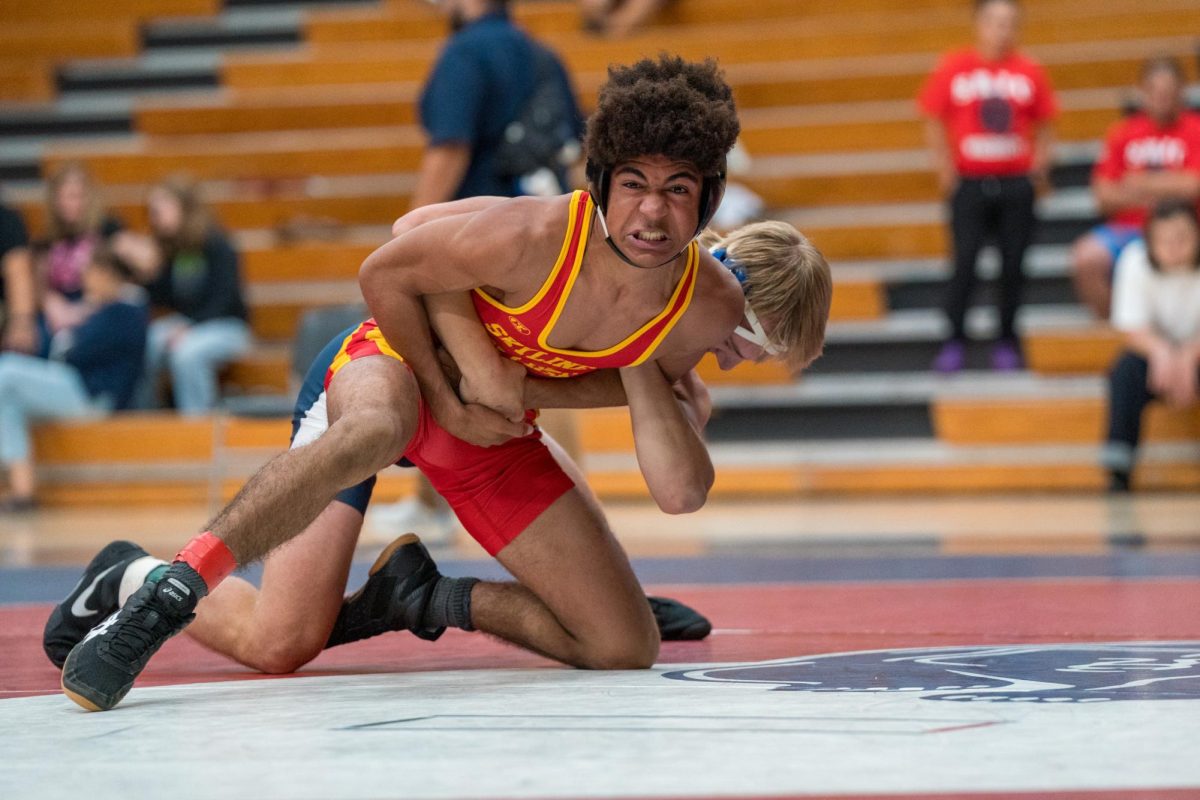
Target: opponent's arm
(487, 377)
(452, 254)
(670, 452)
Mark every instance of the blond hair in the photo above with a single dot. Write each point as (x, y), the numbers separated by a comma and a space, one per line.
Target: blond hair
(93, 213)
(787, 283)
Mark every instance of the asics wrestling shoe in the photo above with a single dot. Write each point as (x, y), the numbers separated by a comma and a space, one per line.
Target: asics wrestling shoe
(677, 622)
(92, 599)
(101, 669)
(394, 598)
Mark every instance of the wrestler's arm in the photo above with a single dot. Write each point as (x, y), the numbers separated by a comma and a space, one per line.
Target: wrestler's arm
(670, 453)
(451, 254)
(490, 379)
(419, 216)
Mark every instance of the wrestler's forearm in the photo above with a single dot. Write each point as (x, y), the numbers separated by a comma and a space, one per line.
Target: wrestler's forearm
(487, 376)
(405, 326)
(670, 453)
(600, 389)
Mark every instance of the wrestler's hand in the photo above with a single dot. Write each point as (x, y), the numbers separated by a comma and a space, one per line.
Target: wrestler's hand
(480, 425)
(501, 389)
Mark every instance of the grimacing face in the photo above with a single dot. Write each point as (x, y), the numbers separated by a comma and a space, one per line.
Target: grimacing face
(653, 208)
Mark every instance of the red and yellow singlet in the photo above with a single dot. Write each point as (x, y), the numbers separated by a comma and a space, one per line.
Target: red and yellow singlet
(522, 333)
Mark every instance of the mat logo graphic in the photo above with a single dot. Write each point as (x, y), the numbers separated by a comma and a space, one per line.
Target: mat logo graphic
(1050, 673)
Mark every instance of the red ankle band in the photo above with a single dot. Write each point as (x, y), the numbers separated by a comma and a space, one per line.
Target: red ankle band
(209, 556)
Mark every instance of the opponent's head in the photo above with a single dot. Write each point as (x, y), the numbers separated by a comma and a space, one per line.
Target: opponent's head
(656, 148)
(788, 288)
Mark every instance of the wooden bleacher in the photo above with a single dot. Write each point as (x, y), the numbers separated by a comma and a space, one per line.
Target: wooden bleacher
(825, 88)
(39, 35)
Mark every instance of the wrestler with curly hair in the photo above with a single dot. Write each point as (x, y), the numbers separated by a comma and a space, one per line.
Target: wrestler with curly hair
(579, 323)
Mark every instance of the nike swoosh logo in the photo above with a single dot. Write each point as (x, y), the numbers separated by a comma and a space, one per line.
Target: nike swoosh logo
(80, 607)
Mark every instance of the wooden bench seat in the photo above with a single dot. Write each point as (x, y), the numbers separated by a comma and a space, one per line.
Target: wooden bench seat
(755, 86)
(1042, 420)
(741, 43)
(54, 12)
(70, 39)
(1088, 351)
(26, 80)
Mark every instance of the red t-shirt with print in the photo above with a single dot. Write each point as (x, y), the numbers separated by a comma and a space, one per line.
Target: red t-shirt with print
(990, 110)
(1139, 143)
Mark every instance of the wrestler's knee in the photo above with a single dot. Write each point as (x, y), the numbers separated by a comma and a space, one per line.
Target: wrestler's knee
(285, 652)
(369, 438)
(634, 648)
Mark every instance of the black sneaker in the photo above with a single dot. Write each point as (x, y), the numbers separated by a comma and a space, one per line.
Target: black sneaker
(394, 598)
(677, 622)
(92, 599)
(102, 668)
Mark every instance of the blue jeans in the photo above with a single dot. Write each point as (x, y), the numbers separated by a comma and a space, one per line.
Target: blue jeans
(200, 352)
(34, 388)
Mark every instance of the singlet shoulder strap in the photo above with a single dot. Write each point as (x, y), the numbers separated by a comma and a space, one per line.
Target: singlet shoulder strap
(570, 255)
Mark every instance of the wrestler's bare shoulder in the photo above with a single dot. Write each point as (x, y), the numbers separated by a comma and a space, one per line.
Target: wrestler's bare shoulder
(718, 302)
(716, 309)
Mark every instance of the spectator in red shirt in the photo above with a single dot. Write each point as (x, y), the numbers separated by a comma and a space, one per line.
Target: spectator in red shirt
(1149, 158)
(988, 111)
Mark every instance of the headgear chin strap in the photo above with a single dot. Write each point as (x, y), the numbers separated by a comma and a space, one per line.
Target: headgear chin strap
(712, 189)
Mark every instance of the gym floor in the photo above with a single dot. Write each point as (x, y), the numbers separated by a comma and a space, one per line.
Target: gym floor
(1032, 647)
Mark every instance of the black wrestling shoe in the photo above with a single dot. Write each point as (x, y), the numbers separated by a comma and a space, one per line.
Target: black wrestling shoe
(101, 669)
(677, 622)
(394, 598)
(92, 599)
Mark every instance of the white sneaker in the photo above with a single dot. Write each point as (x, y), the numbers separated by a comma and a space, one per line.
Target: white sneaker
(436, 526)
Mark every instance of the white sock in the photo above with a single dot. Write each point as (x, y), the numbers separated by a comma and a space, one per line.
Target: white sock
(135, 576)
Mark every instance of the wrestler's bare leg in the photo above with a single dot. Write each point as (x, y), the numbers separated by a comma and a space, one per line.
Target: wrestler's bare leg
(372, 409)
(577, 599)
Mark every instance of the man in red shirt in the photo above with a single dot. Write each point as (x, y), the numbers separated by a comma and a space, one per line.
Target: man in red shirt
(1150, 157)
(988, 110)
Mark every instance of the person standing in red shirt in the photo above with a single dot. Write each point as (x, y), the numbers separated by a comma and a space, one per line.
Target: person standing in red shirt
(988, 111)
(1150, 157)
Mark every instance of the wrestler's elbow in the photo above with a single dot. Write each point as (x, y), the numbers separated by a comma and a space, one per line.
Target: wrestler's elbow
(684, 495)
(378, 278)
(370, 276)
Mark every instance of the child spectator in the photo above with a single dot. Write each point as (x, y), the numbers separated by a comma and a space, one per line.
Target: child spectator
(988, 111)
(92, 370)
(193, 273)
(1156, 304)
(75, 225)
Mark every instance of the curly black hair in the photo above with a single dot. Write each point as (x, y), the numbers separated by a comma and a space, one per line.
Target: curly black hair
(680, 109)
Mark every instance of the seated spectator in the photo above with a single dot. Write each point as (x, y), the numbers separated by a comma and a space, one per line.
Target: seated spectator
(18, 301)
(193, 274)
(93, 369)
(76, 224)
(1156, 304)
(1151, 157)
